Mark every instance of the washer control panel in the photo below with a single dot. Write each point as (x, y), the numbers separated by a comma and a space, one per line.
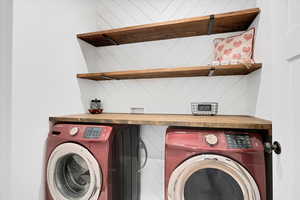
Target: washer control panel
(92, 132)
(238, 141)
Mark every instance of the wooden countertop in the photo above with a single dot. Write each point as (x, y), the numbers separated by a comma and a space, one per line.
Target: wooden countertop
(219, 121)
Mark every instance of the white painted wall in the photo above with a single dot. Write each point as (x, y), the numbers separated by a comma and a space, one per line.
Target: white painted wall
(263, 53)
(46, 57)
(5, 97)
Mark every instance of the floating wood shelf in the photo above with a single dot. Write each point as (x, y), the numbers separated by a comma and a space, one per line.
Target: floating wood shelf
(219, 23)
(220, 70)
(219, 121)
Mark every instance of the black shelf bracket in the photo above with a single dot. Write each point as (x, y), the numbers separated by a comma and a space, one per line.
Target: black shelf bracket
(211, 71)
(211, 24)
(107, 78)
(110, 39)
(247, 65)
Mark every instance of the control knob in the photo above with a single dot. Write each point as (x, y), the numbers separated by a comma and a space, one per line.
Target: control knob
(74, 131)
(211, 139)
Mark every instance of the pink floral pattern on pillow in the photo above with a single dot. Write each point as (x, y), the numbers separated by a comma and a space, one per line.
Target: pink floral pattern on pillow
(238, 47)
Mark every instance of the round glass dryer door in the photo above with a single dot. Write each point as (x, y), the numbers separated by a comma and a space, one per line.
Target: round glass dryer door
(73, 173)
(212, 177)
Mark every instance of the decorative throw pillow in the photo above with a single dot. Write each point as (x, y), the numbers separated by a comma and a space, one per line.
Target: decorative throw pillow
(235, 49)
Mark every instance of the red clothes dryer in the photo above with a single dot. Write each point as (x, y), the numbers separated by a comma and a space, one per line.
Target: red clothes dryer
(90, 162)
(214, 165)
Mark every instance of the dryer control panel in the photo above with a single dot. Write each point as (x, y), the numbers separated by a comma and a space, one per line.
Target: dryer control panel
(239, 141)
(208, 140)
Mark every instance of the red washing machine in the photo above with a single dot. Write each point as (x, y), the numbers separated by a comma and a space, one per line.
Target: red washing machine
(90, 162)
(214, 165)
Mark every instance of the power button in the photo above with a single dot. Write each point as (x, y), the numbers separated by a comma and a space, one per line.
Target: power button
(211, 139)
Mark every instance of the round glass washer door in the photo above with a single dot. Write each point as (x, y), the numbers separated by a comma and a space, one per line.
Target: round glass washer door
(73, 173)
(212, 177)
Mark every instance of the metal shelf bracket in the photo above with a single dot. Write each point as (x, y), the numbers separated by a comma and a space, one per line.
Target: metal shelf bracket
(211, 24)
(108, 78)
(110, 39)
(211, 71)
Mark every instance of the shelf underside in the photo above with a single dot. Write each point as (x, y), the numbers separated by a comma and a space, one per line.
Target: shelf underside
(219, 121)
(220, 70)
(213, 24)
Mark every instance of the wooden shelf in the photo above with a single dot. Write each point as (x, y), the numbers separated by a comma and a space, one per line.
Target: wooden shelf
(220, 70)
(219, 23)
(219, 121)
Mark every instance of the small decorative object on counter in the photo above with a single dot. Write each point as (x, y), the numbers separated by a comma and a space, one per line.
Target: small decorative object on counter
(95, 106)
(205, 108)
(137, 110)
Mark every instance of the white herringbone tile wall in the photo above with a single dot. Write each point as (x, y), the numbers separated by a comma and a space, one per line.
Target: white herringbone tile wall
(171, 95)
(235, 94)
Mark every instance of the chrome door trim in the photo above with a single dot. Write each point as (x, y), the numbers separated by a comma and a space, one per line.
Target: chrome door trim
(235, 170)
(93, 166)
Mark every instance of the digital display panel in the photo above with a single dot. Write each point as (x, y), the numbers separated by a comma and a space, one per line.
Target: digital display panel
(92, 132)
(237, 141)
(202, 107)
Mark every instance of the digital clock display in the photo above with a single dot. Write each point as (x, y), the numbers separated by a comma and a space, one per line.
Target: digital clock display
(202, 107)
